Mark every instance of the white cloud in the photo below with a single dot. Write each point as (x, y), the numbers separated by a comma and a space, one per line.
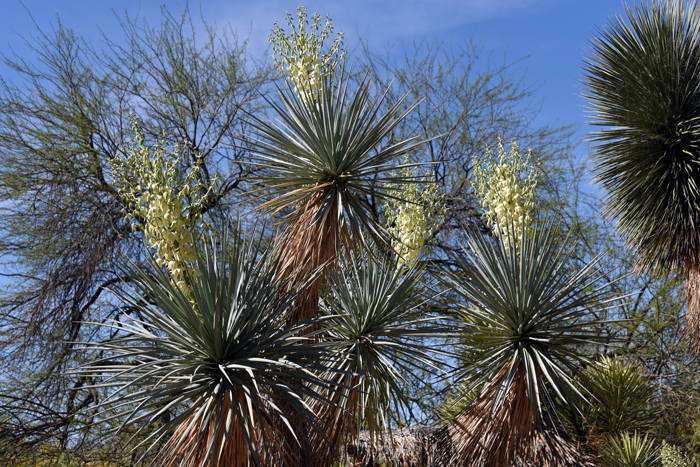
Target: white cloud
(383, 21)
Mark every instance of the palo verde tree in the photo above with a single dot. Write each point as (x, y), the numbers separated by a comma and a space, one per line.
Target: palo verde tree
(64, 117)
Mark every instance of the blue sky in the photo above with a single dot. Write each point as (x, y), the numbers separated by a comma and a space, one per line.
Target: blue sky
(553, 34)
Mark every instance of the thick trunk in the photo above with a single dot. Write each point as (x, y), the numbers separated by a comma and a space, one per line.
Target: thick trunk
(474, 439)
(308, 244)
(186, 442)
(692, 289)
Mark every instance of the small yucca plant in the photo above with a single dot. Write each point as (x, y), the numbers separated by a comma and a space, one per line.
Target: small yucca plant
(376, 334)
(625, 450)
(623, 397)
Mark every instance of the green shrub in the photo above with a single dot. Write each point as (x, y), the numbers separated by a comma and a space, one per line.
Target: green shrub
(625, 450)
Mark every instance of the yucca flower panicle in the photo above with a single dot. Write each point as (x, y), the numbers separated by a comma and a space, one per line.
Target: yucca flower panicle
(505, 184)
(300, 57)
(412, 214)
(159, 202)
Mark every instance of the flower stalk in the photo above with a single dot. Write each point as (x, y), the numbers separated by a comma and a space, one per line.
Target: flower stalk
(299, 56)
(505, 184)
(161, 203)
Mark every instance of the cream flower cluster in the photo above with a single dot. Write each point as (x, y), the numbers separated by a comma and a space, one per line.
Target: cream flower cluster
(414, 216)
(306, 75)
(299, 55)
(505, 195)
(164, 207)
(672, 456)
(167, 229)
(411, 228)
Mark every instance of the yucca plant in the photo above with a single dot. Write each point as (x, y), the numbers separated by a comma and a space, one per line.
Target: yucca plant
(218, 361)
(377, 336)
(625, 450)
(642, 79)
(526, 316)
(328, 155)
(623, 398)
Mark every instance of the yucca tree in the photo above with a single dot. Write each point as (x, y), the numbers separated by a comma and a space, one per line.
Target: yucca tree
(218, 360)
(642, 79)
(329, 154)
(377, 335)
(526, 316)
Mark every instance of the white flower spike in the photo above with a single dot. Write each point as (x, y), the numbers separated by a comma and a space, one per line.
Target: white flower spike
(505, 185)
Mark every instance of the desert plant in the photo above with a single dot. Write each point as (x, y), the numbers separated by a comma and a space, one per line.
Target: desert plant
(224, 353)
(525, 315)
(326, 162)
(642, 78)
(375, 331)
(625, 450)
(622, 397)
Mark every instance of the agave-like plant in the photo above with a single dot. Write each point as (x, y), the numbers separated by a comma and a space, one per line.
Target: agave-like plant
(376, 335)
(623, 398)
(218, 361)
(625, 450)
(642, 79)
(526, 316)
(327, 156)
